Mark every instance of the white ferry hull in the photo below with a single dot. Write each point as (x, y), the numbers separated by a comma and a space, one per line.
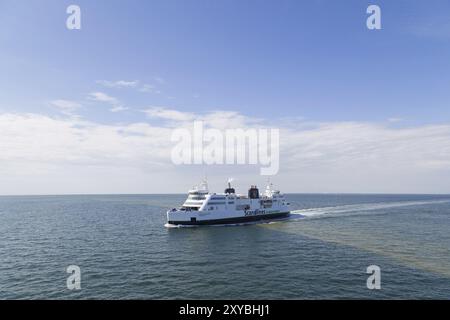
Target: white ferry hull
(205, 218)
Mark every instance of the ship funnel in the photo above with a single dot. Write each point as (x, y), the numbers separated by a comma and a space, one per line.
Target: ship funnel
(253, 192)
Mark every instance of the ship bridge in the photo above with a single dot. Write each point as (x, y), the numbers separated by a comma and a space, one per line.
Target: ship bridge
(196, 197)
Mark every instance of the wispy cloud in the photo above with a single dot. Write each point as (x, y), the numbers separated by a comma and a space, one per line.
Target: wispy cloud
(118, 108)
(168, 114)
(395, 119)
(102, 97)
(436, 26)
(135, 84)
(66, 106)
(160, 80)
(105, 98)
(214, 119)
(118, 84)
(147, 88)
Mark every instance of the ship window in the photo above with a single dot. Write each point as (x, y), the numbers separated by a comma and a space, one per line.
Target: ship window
(193, 219)
(195, 197)
(187, 208)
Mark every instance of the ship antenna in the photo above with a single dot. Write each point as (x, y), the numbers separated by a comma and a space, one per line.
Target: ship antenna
(229, 182)
(205, 179)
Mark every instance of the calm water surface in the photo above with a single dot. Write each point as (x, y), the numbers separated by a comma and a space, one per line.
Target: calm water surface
(322, 251)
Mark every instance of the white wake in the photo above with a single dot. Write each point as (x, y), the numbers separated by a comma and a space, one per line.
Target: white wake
(313, 212)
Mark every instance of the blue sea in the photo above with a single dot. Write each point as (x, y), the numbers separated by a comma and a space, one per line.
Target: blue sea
(321, 251)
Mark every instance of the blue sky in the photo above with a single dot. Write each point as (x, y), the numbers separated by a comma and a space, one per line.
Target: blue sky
(314, 59)
(311, 60)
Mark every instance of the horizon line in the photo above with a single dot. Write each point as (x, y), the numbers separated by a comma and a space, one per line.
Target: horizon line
(155, 194)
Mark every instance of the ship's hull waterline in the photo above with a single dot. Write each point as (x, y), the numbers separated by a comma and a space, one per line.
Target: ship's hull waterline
(233, 220)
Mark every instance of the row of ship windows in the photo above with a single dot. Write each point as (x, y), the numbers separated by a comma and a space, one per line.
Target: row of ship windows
(203, 198)
(196, 198)
(218, 203)
(231, 202)
(209, 203)
(193, 197)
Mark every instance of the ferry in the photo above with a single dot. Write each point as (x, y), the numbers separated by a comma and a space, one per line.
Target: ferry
(204, 208)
